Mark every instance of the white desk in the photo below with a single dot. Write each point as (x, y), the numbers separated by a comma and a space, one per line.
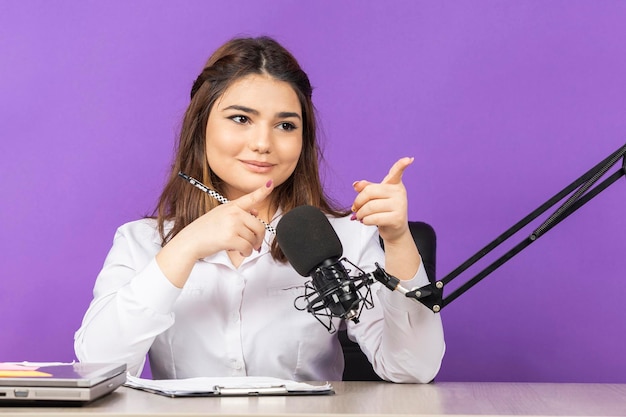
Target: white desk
(370, 399)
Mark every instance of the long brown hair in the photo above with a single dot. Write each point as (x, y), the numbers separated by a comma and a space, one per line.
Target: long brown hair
(182, 203)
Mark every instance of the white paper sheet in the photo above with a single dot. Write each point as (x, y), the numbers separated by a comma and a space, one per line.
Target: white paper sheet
(207, 386)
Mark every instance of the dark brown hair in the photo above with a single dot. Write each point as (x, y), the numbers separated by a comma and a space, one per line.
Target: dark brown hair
(182, 203)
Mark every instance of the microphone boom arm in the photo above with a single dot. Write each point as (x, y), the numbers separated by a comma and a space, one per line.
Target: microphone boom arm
(431, 295)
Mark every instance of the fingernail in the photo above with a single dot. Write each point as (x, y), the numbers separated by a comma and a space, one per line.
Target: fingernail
(353, 217)
(268, 184)
(353, 208)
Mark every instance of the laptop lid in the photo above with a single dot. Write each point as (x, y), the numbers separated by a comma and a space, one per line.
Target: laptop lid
(73, 383)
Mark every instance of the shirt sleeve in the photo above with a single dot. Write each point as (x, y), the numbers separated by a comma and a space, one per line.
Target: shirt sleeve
(132, 303)
(402, 339)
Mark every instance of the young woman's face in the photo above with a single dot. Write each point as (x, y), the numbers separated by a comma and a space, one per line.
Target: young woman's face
(254, 134)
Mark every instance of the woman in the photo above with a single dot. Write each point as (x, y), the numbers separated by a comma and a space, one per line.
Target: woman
(204, 288)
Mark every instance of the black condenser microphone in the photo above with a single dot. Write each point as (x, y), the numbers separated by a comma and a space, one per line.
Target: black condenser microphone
(312, 247)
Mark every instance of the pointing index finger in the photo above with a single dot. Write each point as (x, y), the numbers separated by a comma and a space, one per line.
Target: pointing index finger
(395, 173)
(248, 201)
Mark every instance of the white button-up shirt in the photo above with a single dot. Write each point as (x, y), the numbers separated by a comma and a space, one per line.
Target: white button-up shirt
(229, 321)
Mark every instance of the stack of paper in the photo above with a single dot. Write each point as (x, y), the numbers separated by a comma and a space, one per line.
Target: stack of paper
(220, 386)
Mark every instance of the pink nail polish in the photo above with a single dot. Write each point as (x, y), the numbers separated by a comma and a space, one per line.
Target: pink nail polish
(268, 184)
(353, 217)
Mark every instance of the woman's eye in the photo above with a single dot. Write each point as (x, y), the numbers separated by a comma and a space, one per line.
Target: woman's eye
(239, 119)
(287, 126)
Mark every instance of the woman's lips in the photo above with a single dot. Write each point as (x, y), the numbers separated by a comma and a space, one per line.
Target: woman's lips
(258, 167)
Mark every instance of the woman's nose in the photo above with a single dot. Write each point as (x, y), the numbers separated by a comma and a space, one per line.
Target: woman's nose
(261, 141)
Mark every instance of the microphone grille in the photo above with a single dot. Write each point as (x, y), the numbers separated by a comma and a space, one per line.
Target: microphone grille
(307, 239)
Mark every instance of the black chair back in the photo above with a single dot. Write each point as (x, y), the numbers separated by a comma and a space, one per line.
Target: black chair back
(357, 367)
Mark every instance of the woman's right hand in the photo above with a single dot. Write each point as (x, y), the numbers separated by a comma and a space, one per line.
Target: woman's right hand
(232, 227)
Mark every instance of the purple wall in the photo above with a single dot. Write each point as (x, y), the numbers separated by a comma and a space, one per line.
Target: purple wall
(501, 103)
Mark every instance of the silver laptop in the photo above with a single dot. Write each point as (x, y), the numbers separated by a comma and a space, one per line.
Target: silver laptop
(69, 384)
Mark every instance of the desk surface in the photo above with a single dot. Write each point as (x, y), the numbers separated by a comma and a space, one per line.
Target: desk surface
(370, 399)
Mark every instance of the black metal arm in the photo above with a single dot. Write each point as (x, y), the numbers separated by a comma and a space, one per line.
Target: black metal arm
(581, 191)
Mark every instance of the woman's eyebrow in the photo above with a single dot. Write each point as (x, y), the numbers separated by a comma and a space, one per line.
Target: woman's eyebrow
(242, 108)
(287, 114)
(281, 115)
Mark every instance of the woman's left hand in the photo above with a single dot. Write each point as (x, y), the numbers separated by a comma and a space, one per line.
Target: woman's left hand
(384, 204)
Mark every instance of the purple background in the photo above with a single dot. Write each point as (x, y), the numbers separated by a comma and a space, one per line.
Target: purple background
(502, 104)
